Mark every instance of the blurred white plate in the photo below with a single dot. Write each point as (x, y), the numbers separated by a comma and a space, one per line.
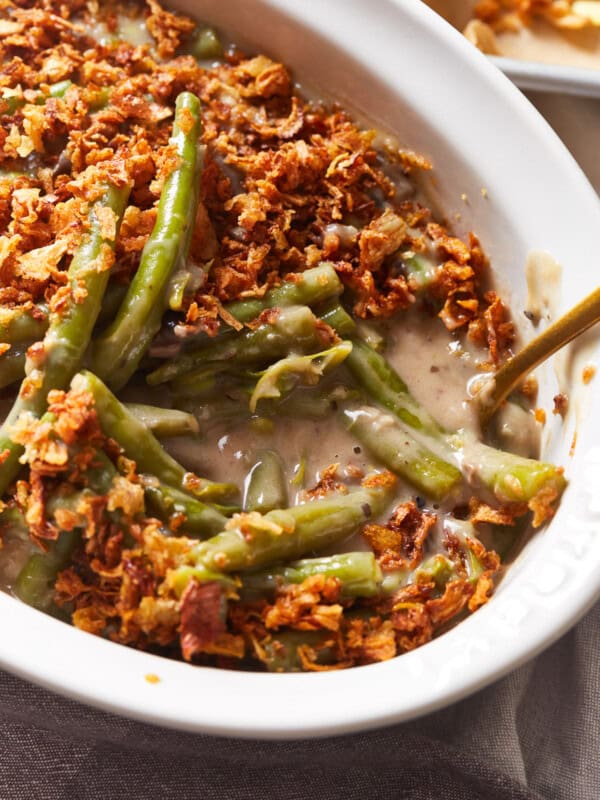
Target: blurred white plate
(577, 55)
(550, 77)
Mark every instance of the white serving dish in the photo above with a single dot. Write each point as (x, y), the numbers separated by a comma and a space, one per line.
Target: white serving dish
(401, 65)
(577, 67)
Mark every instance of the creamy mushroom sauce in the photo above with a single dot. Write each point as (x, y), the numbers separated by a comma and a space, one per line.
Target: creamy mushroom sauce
(421, 350)
(438, 367)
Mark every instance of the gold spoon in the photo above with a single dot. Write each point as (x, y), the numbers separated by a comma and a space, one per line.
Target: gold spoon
(559, 333)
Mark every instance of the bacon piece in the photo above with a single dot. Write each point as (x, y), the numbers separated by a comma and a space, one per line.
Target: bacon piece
(201, 617)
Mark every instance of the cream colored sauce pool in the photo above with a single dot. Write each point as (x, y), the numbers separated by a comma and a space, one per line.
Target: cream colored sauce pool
(431, 361)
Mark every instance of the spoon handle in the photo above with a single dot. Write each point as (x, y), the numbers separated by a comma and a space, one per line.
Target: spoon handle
(559, 333)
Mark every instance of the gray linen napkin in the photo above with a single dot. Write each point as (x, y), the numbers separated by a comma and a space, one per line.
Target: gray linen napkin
(532, 736)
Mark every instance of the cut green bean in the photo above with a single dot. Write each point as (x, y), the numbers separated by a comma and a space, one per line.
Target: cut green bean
(35, 582)
(206, 383)
(118, 352)
(141, 446)
(206, 45)
(420, 269)
(394, 446)
(336, 316)
(12, 104)
(285, 375)
(380, 380)
(310, 404)
(294, 329)
(12, 365)
(253, 540)
(12, 520)
(309, 288)
(438, 569)
(266, 485)
(59, 89)
(70, 329)
(281, 651)
(194, 518)
(179, 579)
(23, 325)
(111, 302)
(164, 422)
(511, 478)
(358, 573)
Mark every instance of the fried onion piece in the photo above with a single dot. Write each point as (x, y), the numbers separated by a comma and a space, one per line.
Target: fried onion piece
(399, 544)
(167, 29)
(328, 483)
(310, 605)
(480, 512)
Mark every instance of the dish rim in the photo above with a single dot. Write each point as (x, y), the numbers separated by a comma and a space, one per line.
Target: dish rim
(113, 678)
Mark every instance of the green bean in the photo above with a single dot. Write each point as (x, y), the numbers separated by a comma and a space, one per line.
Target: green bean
(36, 580)
(370, 334)
(379, 379)
(111, 302)
(334, 315)
(11, 104)
(12, 365)
(118, 352)
(19, 327)
(253, 540)
(177, 580)
(232, 408)
(393, 445)
(206, 45)
(511, 478)
(141, 446)
(281, 651)
(205, 383)
(421, 269)
(12, 520)
(358, 573)
(310, 404)
(59, 89)
(99, 99)
(164, 422)
(309, 288)
(196, 519)
(53, 365)
(282, 377)
(438, 569)
(295, 328)
(23, 325)
(266, 487)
